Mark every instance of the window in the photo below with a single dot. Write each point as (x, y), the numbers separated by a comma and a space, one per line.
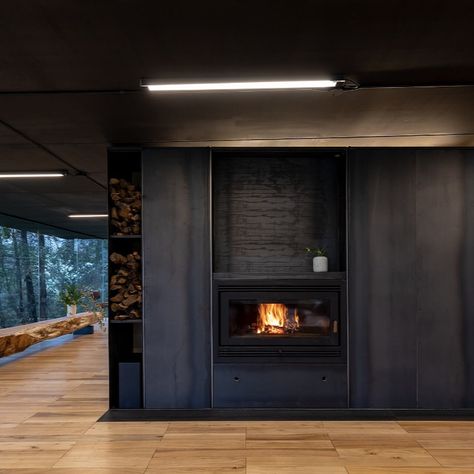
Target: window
(35, 267)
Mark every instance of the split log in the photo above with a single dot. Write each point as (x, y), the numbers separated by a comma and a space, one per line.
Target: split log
(125, 286)
(125, 211)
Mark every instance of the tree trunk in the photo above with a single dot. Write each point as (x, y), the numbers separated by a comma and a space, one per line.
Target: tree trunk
(43, 313)
(20, 307)
(30, 291)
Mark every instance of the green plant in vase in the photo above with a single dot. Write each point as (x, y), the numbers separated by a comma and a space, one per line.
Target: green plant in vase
(320, 258)
(71, 296)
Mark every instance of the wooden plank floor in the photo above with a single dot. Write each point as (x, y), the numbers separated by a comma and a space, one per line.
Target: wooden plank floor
(50, 401)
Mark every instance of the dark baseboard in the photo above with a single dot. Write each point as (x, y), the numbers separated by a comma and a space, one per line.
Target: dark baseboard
(84, 330)
(283, 414)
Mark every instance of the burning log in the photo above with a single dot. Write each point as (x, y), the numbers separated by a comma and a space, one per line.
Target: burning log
(125, 211)
(125, 286)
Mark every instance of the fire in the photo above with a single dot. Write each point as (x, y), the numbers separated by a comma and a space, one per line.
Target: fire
(276, 318)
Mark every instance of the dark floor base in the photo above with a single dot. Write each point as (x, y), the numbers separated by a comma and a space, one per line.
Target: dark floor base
(272, 414)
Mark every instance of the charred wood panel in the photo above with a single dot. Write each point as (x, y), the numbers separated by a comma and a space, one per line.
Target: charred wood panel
(176, 250)
(268, 206)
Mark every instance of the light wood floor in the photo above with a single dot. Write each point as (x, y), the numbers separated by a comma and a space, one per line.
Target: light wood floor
(50, 401)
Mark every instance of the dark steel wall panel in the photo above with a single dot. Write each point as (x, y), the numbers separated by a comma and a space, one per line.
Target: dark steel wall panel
(444, 315)
(382, 286)
(176, 254)
(411, 278)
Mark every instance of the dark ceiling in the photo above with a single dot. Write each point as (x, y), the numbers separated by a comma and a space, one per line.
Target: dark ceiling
(69, 74)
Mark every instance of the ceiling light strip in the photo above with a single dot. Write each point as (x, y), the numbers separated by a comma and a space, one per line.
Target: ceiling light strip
(33, 174)
(241, 86)
(86, 216)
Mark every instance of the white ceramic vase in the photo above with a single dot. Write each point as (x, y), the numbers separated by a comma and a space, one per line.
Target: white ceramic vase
(320, 264)
(71, 309)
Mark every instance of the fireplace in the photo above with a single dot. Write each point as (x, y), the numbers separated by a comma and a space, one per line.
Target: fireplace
(278, 319)
(279, 341)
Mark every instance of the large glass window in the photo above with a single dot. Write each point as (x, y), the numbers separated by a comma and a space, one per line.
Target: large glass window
(35, 267)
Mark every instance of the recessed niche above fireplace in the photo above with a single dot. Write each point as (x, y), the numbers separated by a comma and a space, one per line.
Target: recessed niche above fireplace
(268, 206)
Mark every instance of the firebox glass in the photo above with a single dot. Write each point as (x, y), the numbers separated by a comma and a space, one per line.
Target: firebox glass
(270, 319)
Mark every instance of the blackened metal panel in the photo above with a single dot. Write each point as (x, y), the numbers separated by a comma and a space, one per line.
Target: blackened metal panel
(176, 262)
(280, 385)
(445, 267)
(382, 284)
(467, 266)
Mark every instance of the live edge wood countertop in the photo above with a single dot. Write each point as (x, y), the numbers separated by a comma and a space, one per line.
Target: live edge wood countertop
(18, 338)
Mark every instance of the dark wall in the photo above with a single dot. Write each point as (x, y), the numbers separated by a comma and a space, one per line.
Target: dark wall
(269, 205)
(176, 255)
(411, 275)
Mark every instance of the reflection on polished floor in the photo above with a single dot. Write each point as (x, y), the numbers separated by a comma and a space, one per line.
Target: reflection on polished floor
(50, 401)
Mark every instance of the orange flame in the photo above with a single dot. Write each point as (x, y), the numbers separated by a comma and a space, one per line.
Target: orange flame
(273, 318)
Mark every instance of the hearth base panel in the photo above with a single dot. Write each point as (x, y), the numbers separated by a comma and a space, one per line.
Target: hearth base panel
(280, 386)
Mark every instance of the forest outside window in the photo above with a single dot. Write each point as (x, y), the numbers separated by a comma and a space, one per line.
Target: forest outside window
(35, 267)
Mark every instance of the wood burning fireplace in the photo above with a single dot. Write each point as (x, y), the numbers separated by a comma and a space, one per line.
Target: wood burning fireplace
(275, 318)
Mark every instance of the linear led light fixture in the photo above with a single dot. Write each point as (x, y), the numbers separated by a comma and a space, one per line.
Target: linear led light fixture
(32, 174)
(156, 86)
(87, 216)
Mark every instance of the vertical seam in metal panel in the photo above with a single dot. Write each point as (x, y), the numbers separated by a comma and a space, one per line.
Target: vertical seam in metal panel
(142, 248)
(211, 270)
(347, 204)
(417, 315)
(109, 338)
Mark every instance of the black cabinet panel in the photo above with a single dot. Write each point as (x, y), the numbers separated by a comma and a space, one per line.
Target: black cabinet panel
(382, 285)
(411, 278)
(176, 255)
(280, 385)
(445, 185)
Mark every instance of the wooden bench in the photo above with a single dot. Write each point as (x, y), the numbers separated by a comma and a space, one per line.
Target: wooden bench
(18, 338)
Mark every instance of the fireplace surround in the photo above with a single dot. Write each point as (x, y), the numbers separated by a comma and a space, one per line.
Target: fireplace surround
(279, 330)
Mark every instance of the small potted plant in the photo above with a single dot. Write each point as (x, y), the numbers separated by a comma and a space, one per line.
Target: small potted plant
(320, 259)
(71, 296)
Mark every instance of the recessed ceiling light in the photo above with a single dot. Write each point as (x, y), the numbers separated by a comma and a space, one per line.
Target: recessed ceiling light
(156, 86)
(86, 216)
(33, 174)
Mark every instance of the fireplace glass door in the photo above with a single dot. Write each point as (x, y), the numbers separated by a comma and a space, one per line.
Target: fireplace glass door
(273, 318)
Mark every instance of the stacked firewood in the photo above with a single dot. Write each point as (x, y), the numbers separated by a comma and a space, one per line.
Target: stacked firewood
(125, 286)
(125, 211)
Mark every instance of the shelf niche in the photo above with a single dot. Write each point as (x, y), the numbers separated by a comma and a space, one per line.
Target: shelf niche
(125, 335)
(269, 205)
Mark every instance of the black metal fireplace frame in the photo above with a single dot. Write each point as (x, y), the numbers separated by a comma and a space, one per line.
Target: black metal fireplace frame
(283, 349)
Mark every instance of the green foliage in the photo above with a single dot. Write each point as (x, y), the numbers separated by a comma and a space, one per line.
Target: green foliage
(82, 261)
(317, 252)
(71, 294)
